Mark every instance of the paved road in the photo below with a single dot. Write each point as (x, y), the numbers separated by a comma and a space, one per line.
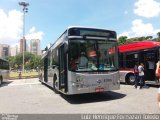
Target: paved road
(30, 96)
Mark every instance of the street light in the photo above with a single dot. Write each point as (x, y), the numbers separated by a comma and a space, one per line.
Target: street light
(25, 10)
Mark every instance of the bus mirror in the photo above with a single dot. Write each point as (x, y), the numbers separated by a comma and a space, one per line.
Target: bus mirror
(46, 48)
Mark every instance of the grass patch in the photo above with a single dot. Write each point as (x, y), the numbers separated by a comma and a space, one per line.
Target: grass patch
(23, 74)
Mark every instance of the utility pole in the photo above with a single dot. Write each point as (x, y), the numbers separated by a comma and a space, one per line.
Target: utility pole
(25, 10)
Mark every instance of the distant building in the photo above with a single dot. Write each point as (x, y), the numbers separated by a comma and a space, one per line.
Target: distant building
(35, 46)
(21, 45)
(14, 50)
(27, 47)
(4, 50)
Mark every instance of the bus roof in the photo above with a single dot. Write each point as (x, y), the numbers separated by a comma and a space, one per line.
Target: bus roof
(138, 46)
(87, 27)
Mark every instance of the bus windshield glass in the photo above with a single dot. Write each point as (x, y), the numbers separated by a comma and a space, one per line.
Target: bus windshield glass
(92, 55)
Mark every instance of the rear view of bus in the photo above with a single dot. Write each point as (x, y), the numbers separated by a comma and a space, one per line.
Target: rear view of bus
(82, 60)
(4, 70)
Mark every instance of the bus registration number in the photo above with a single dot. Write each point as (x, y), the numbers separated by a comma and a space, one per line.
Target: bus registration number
(99, 89)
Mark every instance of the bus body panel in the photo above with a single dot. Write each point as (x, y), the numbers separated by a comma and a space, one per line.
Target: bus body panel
(90, 83)
(4, 74)
(123, 74)
(4, 70)
(79, 83)
(49, 82)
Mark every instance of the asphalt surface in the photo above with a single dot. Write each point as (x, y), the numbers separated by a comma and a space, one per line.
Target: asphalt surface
(31, 97)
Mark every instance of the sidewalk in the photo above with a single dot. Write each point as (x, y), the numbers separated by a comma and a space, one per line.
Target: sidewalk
(21, 82)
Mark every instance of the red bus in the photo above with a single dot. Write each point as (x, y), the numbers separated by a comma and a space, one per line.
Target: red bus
(147, 52)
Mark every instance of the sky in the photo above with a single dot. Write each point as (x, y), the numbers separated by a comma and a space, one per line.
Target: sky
(47, 19)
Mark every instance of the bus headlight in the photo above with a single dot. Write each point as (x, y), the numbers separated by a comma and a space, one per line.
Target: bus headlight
(73, 84)
(79, 79)
(78, 82)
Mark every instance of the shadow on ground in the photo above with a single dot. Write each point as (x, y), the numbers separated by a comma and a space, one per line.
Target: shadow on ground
(6, 83)
(93, 97)
(148, 83)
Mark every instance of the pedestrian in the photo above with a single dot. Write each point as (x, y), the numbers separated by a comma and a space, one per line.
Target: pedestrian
(158, 97)
(141, 75)
(136, 75)
(20, 75)
(157, 72)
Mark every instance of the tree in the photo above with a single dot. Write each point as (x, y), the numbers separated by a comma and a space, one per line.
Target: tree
(149, 37)
(37, 62)
(122, 40)
(11, 61)
(31, 61)
(158, 34)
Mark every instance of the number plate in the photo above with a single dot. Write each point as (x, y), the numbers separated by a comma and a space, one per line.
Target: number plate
(99, 89)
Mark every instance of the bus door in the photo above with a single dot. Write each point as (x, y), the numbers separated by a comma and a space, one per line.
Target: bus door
(62, 69)
(50, 71)
(46, 69)
(150, 64)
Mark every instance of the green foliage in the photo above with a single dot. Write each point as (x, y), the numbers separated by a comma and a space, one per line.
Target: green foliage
(158, 37)
(31, 61)
(158, 34)
(124, 40)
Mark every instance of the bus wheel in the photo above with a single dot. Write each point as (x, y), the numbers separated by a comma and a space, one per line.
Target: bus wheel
(55, 84)
(130, 79)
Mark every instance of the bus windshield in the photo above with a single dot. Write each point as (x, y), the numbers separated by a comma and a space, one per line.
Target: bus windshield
(92, 55)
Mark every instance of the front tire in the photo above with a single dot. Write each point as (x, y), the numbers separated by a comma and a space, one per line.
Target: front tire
(55, 84)
(130, 79)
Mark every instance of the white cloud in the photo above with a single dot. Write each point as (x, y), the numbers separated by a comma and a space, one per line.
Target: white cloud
(33, 34)
(32, 30)
(139, 29)
(124, 34)
(10, 26)
(147, 8)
